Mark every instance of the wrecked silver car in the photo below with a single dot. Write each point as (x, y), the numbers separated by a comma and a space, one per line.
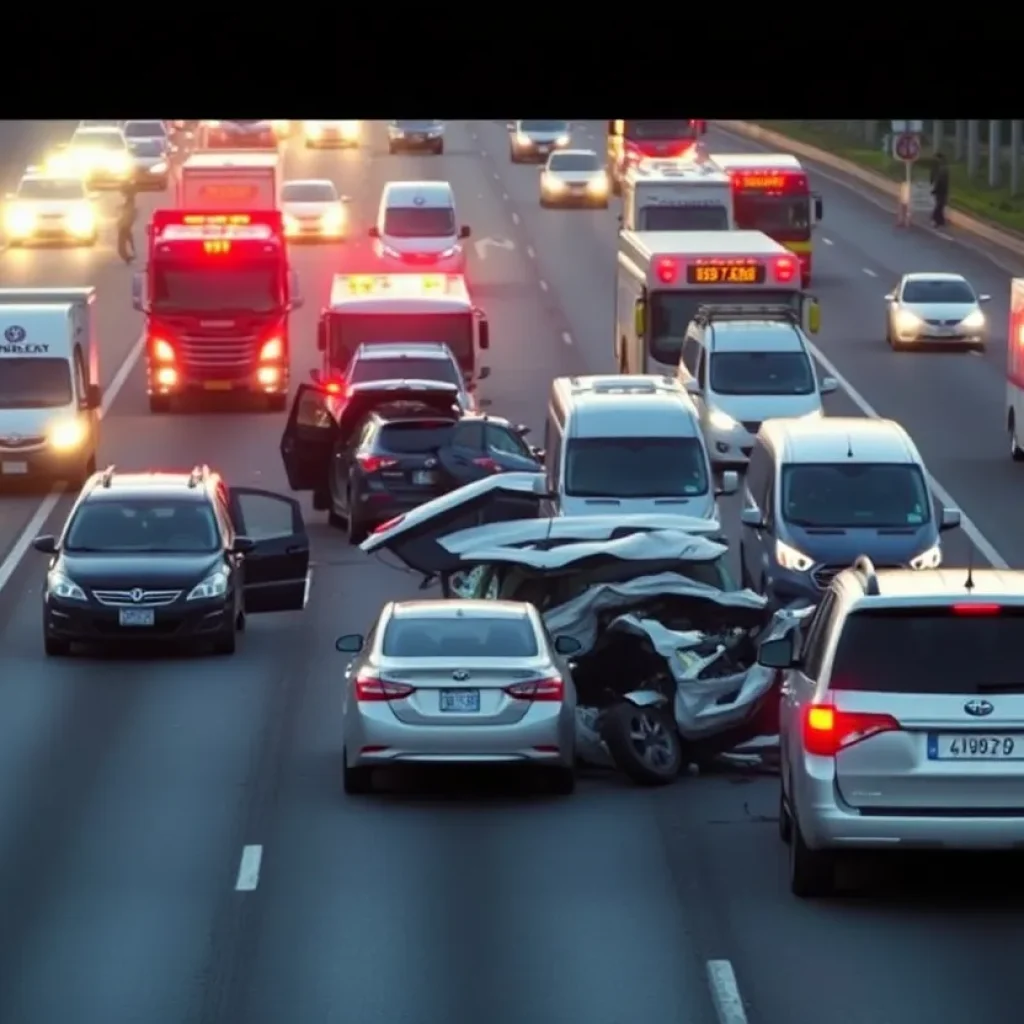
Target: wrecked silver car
(667, 672)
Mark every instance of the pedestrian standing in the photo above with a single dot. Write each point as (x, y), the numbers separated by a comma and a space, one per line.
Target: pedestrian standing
(125, 223)
(940, 189)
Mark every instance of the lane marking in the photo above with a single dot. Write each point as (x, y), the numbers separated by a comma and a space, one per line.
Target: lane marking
(543, 286)
(943, 235)
(530, 252)
(967, 525)
(31, 529)
(567, 337)
(496, 178)
(828, 241)
(725, 993)
(515, 218)
(249, 869)
(869, 272)
(504, 195)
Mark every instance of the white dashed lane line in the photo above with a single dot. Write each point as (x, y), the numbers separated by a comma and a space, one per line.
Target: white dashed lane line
(828, 241)
(543, 286)
(869, 272)
(725, 993)
(515, 218)
(531, 252)
(567, 337)
(249, 869)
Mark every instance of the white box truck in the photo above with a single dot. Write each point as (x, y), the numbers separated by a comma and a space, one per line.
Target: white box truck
(227, 182)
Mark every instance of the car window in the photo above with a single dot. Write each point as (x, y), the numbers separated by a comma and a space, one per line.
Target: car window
(415, 437)
(264, 516)
(311, 411)
(473, 637)
(469, 435)
(501, 439)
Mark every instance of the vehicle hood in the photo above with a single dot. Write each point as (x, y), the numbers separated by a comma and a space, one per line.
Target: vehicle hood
(421, 246)
(954, 311)
(317, 209)
(148, 161)
(544, 137)
(19, 423)
(577, 177)
(147, 571)
(758, 408)
(42, 207)
(886, 547)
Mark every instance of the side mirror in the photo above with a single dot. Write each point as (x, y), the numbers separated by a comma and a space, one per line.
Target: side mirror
(753, 518)
(483, 373)
(464, 231)
(521, 429)
(47, 544)
(891, 297)
(485, 333)
(138, 285)
(350, 643)
(950, 519)
(567, 645)
(829, 385)
(374, 232)
(730, 483)
(640, 317)
(243, 545)
(984, 298)
(819, 208)
(777, 653)
(321, 335)
(94, 396)
(813, 317)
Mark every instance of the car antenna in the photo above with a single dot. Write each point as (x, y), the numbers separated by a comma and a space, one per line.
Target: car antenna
(969, 582)
(849, 446)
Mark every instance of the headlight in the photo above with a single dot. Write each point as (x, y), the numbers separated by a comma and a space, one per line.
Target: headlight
(158, 168)
(118, 163)
(930, 559)
(553, 184)
(973, 321)
(790, 558)
(291, 225)
(60, 586)
(215, 585)
(350, 129)
(721, 420)
(67, 435)
(20, 220)
(907, 321)
(562, 140)
(523, 140)
(313, 128)
(82, 220)
(333, 220)
(599, 184)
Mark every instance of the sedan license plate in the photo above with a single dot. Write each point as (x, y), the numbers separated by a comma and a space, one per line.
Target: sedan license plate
(218, 385)
(423, 477)
(136, 617)
(14, 468)
(460, 701)
(975, 747)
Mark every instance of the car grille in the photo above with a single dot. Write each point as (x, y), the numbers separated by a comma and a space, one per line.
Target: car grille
(214, 352)
(823, 575)
(942, 323)
(127, 598)
(20, 444)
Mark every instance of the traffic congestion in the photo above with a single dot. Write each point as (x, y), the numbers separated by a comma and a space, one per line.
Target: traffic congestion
(431, 545)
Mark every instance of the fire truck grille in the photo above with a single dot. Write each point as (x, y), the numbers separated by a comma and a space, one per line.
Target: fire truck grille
(212, 353)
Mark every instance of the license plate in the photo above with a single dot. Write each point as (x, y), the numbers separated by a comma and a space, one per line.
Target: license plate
(423, 477)
(975, 747)
(136, 617)
(543, 148)
(218, 385)
(14, 468)
(460, 701)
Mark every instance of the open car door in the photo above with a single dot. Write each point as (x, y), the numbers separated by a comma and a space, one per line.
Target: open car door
(277, 569)
(414, 537)
(310, 436)
(472, 455)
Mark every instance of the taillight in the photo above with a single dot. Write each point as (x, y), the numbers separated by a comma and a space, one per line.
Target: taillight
(977, 609)
(667, 269)
(785, 269)
(374, 463)
(163, 351)
(369, 687)
(273, 349)
(827, 730)
(538, 689)
(489, 464)
(387, 526)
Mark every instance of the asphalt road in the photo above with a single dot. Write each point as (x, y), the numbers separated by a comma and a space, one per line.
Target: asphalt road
(134, 794)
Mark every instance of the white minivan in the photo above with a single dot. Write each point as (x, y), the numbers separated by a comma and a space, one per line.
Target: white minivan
(417, 228)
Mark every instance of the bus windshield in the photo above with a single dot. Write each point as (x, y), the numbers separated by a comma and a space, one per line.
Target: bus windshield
(659, 131)
(785, 218)
(672, 311)
(206, 287)
(350, 330)
(685, 217)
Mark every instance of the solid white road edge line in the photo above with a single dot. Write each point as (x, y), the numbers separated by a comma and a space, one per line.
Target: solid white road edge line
(725, 993)
(976, 537)
(28, 532)
(249, 869)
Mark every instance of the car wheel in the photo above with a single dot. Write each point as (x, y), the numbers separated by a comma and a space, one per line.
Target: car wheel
(644, 743)
(227, 642)
(561, 781)
(55, 647)
(1016, 452)
(355, 781)
(240, 622)
(439, 149)
(159, 403)
(785, 821)
(812, 873)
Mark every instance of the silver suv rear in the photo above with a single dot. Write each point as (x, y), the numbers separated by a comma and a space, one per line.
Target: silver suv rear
(902, 720)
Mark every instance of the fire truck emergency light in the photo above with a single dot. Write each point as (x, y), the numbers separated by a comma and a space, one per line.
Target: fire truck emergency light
(405, 285)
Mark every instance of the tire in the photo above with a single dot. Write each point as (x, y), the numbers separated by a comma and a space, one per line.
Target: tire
(322, 500)
(357, 528)
(159, 403)
(355, 781)
(1016, 452)
(227, 643)
(812, 873)
(561, 781)
(439, 150)
(391, 149)
(55, 647)
(785, 821)
(617, 729)
(240, 622)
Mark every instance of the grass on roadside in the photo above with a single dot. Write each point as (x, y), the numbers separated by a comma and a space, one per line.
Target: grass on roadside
(975, 198)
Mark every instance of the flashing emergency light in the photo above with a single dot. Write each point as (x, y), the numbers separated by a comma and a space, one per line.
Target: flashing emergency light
(217, 232)
(404, 285)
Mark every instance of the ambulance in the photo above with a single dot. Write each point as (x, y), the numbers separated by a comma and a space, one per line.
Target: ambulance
(663, 277)
(677, 195)
(1015, 370)
(49, 384)
(403, 308)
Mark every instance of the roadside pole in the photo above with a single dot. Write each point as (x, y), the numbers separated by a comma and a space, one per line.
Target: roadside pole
(906, 146)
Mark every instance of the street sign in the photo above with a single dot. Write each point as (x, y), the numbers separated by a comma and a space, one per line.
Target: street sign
(907, 147)
(921, 198)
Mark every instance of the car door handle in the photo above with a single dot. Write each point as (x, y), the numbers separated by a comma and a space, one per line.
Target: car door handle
(297, 549)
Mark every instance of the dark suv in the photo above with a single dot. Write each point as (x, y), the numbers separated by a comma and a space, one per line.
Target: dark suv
(170, 557)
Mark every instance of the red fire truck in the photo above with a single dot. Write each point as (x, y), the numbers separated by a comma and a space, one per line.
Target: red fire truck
(771, 193)
(629, 142)
(216, 291)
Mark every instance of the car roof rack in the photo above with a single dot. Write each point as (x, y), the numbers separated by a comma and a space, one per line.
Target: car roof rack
(779, 311)
(865, 568)
(107, 477)
(198, 475)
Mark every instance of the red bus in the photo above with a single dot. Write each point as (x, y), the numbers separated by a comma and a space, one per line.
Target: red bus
(629, 142)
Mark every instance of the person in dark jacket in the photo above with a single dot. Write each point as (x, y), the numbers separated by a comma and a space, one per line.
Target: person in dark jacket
(125, 222)
(940, 189)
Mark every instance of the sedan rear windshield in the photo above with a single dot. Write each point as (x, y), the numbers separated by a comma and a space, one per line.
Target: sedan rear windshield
(475, 637)
(415, 436)
(930, 651)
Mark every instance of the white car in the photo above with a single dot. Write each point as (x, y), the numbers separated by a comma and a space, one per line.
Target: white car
(48, 208)
(313, 210)
(574, 177)
(324, 134)
(935, 309)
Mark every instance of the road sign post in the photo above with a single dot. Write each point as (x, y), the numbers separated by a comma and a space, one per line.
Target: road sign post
(906, 146)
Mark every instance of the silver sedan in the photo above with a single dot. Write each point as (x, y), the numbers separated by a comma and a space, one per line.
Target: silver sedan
(935, 309)
(458, 682)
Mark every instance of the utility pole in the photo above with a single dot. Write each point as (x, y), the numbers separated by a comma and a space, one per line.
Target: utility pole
(1015, 143)
(973, 150)
(937, 127)
(959, 140)
(995, 152)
